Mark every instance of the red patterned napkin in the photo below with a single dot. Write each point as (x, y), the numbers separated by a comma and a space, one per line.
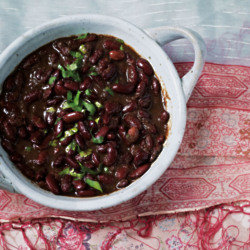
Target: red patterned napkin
(211, 167)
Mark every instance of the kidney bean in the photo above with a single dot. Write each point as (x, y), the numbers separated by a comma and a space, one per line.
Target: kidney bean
(105, 118)
(88, 165)
(79, 141)
(38, 122)
(32, 96)
(156, 150)
(109, 72)
(111, 45)
(110, 158)
(122, 183)
(66, 183)
(79, 184)
(97, 54)
(111, 136)
(50, 118)
(92, 125)
(9, 130)
(130, 107)
(132, 135)
(58, 162)
(85, 193)
(149, 142)
(143, 77)
(103, 64)
(149, 127)
(139, 171)
(156, 86)
(54, 101)
(143, 115)
(70, 152)
(164, 117)
(132, 121)
(130, 60)
(30, 127)
(132, 75)
(141, 89)
(16, 157)
(40, 175)
(8, 84)
(71, 85)
(58, 128)
(112, 107)
(105, 178)
(122, 172)
(123, 88)
(122, 132)
(83, 131)
(126, 158)
(73, 117)
(36, 137)
(72, 162)
(145, 102)
(47, 93)
(30, 61)
(102, 132)
(62, 113)
(86, 84)
(140, 157)
(89, 38)
(85, 68)
(42, 158)
(145, 66)
(95, 159)
(7, 146)
(52, 184)
(116, 55)
(45, 143)
(101, 148)
(160, 139)
(60, 90)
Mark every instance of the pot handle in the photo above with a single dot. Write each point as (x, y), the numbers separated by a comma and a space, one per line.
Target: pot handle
(165, 34)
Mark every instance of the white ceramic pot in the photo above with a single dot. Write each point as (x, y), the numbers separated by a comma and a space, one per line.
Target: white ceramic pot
(147, 44)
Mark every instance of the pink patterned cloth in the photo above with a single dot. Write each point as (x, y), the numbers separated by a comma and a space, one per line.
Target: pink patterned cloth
(212, 165)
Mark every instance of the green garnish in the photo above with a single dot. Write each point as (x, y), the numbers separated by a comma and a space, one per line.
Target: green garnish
(88, 92)
(45, 131)
(119, 40)
(86, 152)
(53, 143)
(94, 184)
(116, 81)
(82, 36)
(98, 104)
(90, 107)
(52, 79)
(76, 105)
(72, 67)
(109, 90)
(93, 74)
(76, 54)
(57, 120)
(97, 120)
(98, 140)
(76, 99)
(28, 149)
(69, 132)
(83, 49)
(70, 73)
(121, 47)
(69, 96)
(72, 173)
(71, 146)
(106, 170)
(50, 110)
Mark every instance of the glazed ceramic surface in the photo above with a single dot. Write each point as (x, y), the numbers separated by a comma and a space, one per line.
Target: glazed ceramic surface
(147, 44)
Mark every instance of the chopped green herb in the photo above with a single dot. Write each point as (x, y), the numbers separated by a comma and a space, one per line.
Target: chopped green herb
(97, 120)
(57, 120)
(59, 135)
(76, 54)
(90, 107)
(69, 132)
(86, 152)
(50, 110)
(88, 92)
(72, 67)
(69, 73)
(98, 104)
(121, 47)
(93, 74)
(53, 143)
(119, 40)
(94, 184)
(109, 90)
(66, 105)
(69, 96)
(52, 79)
(71, 146)
(106, 170)
(45, 131)
(116, 81)
(72, 173)
(98, 140)
(82, 36)
(64, 171)
(76, 99)
(83, 49)
(28, 149)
